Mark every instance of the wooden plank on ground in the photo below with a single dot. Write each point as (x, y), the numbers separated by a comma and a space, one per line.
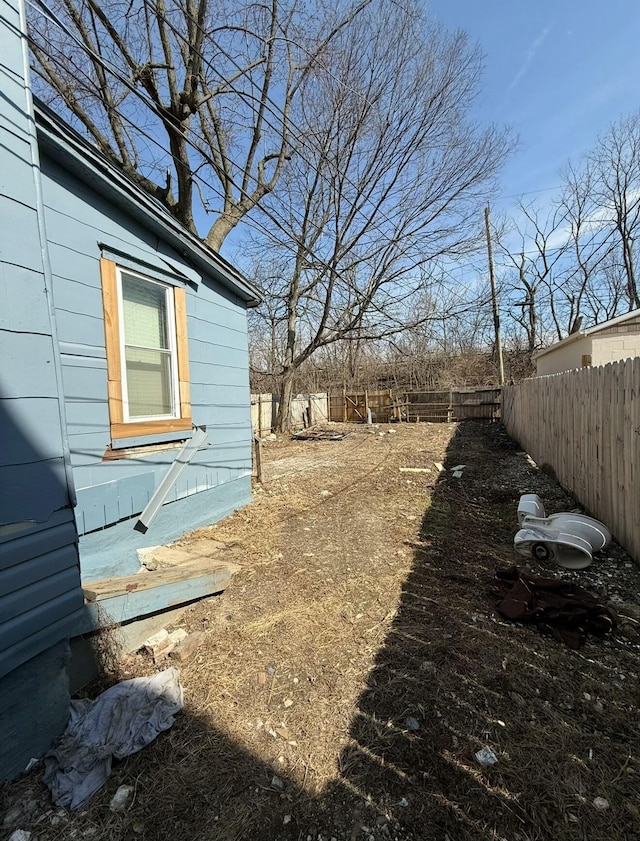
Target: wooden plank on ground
(126, 585)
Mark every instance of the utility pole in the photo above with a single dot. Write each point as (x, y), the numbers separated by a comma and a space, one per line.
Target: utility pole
(494, 299)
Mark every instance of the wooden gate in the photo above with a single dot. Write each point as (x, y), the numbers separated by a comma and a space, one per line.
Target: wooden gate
(353, 408)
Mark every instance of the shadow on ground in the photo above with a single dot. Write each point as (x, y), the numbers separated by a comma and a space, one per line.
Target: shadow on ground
(450, 679)
(561, 723)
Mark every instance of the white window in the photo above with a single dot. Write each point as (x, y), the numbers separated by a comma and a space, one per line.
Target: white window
(148, 338)
(147, 356)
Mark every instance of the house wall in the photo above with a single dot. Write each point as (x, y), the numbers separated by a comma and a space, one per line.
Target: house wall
(110, 493)
(40, 595)
(615, 348)
(564, 358)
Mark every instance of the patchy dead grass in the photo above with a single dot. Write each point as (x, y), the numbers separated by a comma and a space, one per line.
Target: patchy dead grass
(356, 665)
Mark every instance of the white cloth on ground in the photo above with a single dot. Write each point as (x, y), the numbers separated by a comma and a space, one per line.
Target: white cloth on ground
(121, 721)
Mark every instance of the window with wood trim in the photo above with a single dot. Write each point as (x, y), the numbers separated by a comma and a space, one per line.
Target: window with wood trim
(147, 356)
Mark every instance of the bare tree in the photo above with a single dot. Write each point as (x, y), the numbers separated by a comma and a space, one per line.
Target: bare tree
(191, 98)
(606, 295)
(533, 249)
(393, 182)
(590, 242)
(576, 261)
(615, 163)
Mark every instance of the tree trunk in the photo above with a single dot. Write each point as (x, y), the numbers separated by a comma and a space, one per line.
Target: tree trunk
(283, 421)
(223, 226)
(632, 289)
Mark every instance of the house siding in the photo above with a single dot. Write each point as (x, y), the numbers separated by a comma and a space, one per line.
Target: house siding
(631, 325)
(40, 595)
(612, 341)
(34, 709)
(110, 493)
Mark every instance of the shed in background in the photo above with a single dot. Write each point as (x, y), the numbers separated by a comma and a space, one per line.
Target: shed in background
(611, 341)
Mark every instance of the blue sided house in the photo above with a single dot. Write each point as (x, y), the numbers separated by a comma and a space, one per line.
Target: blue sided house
(124, 401)
(151, 333)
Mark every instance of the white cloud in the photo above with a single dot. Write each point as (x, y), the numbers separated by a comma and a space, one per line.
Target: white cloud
(531, 52)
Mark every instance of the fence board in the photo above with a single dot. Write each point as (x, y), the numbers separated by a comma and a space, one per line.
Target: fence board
(629, 503)
(585, 425)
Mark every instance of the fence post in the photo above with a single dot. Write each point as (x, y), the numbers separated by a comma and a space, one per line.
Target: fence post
(257, 447)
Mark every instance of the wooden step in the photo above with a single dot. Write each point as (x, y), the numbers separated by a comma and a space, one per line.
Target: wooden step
(114, 601)
(200, 568)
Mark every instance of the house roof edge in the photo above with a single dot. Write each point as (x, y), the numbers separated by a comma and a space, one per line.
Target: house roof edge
(67, 147)
(590, 331)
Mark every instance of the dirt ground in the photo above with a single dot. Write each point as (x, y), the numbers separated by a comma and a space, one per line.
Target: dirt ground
(356, 665)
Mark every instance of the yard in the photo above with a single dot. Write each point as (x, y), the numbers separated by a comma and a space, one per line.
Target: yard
(356, 665)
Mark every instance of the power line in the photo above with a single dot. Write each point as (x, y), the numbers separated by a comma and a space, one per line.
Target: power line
(532, 192)
(43, 9)
(270, 107)
(274, 109)
(568, 245)
(544, 298)
(388, 331)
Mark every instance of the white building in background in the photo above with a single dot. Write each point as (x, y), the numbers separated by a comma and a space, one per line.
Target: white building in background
(611, 341)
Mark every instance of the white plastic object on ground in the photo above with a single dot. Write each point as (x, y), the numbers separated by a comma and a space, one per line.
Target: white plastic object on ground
(566, 550)
(120, 799)
(569, 539)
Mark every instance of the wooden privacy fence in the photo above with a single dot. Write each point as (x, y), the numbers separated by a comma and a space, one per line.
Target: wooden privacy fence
(264, 408)
(585, 425)
(434, 406)
(454, 404)
(385, 406)
(306, 409)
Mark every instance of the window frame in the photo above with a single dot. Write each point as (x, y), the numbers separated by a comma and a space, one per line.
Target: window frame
(121, 426)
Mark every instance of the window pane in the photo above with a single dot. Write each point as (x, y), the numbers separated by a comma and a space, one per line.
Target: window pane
(148, 382)
(144, 307)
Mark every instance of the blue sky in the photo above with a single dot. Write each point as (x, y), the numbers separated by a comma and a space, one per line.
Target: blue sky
(557, 71)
